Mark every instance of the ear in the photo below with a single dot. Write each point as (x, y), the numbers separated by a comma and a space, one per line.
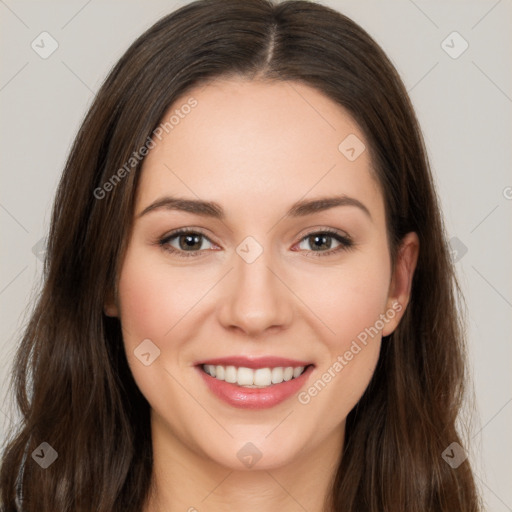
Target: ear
(110, 307)
(401, 280)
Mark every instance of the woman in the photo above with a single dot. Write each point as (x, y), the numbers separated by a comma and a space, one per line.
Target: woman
(248, 300)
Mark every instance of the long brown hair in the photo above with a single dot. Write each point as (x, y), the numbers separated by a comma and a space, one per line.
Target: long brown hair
(71, 379)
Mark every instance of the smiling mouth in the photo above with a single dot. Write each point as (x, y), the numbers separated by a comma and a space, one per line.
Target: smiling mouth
(253, 378)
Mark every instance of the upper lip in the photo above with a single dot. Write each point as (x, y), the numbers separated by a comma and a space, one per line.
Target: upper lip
(255, 362)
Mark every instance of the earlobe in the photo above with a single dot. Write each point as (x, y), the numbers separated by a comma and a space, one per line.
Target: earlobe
(401, 282)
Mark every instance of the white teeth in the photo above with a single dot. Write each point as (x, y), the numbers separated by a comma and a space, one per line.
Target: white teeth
(262, 377)
(245, 377)
(219, 372)
(296, 372)
(259, 378)
(230, 374)
(288, 373)
(211, 369)
(277, 375)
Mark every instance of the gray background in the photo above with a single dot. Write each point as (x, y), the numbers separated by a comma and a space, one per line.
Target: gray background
(463, 104)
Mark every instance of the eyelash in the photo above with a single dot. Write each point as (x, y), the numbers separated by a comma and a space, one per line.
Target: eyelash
(345, 241)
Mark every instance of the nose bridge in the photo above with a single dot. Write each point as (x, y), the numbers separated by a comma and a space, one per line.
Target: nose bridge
(256, 299)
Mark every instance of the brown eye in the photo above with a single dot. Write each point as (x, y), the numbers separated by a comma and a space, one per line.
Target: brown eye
(320, 241)
(325, 243)
(181, 242)
(190, 241)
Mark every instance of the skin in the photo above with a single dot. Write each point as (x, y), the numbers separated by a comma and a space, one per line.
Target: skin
(255, 148)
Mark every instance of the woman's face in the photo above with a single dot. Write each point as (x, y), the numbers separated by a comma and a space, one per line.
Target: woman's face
(258, 276)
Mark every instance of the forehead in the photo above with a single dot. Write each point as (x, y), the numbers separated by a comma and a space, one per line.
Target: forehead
(248, 140)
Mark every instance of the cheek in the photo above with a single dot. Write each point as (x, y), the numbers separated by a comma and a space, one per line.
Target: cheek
(152, 300)
(152, 297)
(141, 303)
(353, 307)
(350, 300)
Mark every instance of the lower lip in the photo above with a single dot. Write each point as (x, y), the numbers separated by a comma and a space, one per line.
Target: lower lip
(254, 398)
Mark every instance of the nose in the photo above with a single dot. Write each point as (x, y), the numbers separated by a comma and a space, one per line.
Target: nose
(255, 298)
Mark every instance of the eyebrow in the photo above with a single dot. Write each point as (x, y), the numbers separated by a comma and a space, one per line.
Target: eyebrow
(212, 209)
